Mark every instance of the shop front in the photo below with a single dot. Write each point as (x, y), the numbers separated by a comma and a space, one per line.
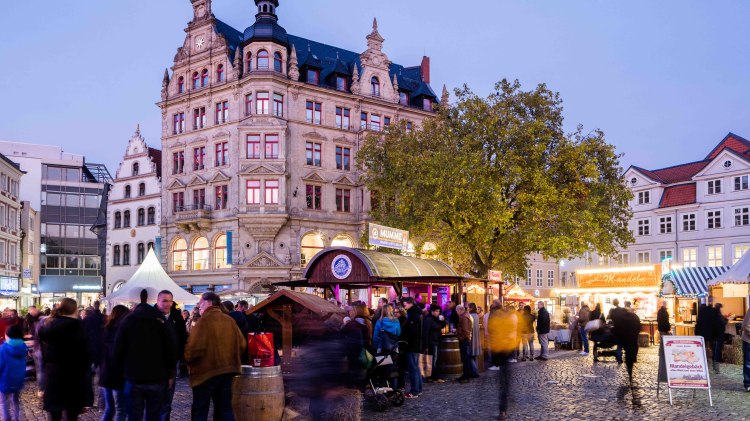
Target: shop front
(684, 289)
(9, 292)
(84, 289)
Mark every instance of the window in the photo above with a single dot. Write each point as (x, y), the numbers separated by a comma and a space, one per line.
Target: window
(312, 154)
(220, 73)
(623, 259)
(340, 83)
(199, 118)
(343, 156)
(528, 277)
(714, 219)
(178, 125)
(714, 186)
(690, 257)
(427, 104)
(200, 254)
(739, 250)
(220, 253)
(261, 103)
(222, 112)
(644, 197)
(741, 217)
(665, 225)
(271, 188)
(550, 278)
(313, 77)
(313, 112)
(142, 189)
(310, 245)
(179, 255)
(141, 253)
(221, 197)
(141, 217)
(253, 146)
(178, 201)
(196, 81)
(342, 118)
(204, 78)
(375, 84)
(664, 255)
(126, 255)
(644, 227)
(118, 220)
(403, 99)
(363, 121)
(253, 192)
(222, 154)
(313, 195)
(375, 122)
(248, 61)
(409, 126)
(135, 168)
(178, 162)
(741, 183)
(277, 62)
(262, 60)
(688, 222)
(644, 257)
(539, 277)
(127, 192)
(199, 198)
(278, 105)
(248, 104)
(386, 121)
(199, 156)
(181, 85)
(151, 216)
(343, 200)
(150, 245)
(563, 279)
(116, 256)
(126, 219)
(714, 255)
(272, 146)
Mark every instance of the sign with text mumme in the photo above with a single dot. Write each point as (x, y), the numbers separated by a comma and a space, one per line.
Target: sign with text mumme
(393, 238)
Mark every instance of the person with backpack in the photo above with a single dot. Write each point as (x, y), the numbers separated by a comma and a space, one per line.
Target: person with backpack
(12, 372)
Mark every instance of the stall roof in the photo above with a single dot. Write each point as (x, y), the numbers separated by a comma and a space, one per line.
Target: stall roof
(311, 302)
(693, 281)
(386, 265)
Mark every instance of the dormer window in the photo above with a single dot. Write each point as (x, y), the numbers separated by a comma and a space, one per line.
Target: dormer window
(181, 85)
(196, 80)
(340, 83)
(277, 62)
(375, 83)
(204, 78)
(248, 61)
(403, 98)
(313, 76)
(262, 60)
(220, 73)
(644, 197)
(427, 104)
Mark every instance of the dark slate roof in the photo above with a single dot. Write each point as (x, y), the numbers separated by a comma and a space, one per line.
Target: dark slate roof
(265, 29)
(11, 163)
(231, 35)
(155, 155)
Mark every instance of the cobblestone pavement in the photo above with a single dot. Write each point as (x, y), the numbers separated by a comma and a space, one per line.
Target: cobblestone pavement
(568, 387)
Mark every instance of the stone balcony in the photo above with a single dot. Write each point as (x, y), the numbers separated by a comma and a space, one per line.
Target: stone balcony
(193, 217)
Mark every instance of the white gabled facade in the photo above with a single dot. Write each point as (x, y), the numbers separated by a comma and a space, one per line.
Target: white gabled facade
(133, 211)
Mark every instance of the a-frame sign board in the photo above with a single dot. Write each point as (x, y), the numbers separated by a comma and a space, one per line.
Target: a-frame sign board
(683, 365)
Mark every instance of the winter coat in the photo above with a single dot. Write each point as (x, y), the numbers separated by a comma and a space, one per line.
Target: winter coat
(584, 316)
(391, 326)
(413, 330)
(662, 320)
(177, 323)
(542, 322)
(527, 323)
(110, 374)
(476, 346)
(432, 331)
(596, 313)
(93, 325)
(12, 365)
(705, 322)
(503, 329)
(354, 335)
(214, 347)
(464, 330)
(618, 317)
(66, 364)
(146, 346)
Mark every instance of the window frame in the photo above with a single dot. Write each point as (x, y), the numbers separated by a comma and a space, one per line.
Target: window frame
(278, 62)
(314, 196)
(221, 154)
(262, 103)
(313, 154)
(689, 219)
(714, 219)
(713, 186)
(375, 86)
(643, 227)
(262, 60)
(271, 189)
(253, 186)
(255, 152)
(665, 224)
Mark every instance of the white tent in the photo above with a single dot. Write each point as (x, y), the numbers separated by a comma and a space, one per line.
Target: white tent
(735, 280)
(152, 277)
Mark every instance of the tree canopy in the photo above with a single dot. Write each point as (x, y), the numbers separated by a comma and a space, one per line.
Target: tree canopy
(491, 180)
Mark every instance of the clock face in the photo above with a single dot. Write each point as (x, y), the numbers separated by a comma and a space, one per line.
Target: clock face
(199, 42)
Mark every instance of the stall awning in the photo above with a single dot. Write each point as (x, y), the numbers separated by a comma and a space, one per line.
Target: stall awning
(693, 281)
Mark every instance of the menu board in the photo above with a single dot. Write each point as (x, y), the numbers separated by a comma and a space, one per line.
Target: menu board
(686, 363)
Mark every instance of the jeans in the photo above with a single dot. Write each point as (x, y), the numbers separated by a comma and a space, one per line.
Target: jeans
(114, 405)
(11, 405)
(544, 344)
(465, 348)
(148, 397)
(718, 348)
(415, 377)
(166, 407)
(218, 389)
(584, 338)
(434, 350)
(746, 365)
(527, 340)
(474, 367)
(504, 377)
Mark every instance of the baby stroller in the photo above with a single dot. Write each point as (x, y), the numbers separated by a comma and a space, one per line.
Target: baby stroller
(380, 378)
(605, 342)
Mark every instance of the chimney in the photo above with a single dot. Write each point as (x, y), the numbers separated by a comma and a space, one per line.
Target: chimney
(426, 69)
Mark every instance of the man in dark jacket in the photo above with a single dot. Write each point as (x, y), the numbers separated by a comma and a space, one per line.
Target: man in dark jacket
(93, 325)
(662, 320)
(617, 316)
(146, 349)
(542, 330)
(463, 334)
(412, 333)
(432, 334)
(166, 306)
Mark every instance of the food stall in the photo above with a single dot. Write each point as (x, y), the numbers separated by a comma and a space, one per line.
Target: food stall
(682, 289)
(731, 290)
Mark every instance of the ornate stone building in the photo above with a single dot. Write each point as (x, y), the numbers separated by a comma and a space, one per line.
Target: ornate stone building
(260, 132)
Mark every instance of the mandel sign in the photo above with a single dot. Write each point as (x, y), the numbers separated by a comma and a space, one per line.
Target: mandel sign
(644, 276)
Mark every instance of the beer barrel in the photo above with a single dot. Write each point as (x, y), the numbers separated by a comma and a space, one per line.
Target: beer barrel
(449, 358)
(258, 394)
(643, 339)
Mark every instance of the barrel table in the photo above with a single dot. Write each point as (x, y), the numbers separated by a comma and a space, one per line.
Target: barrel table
(449, 358)
(258, 394)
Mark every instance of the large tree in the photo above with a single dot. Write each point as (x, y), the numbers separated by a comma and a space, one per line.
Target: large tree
(490, 180)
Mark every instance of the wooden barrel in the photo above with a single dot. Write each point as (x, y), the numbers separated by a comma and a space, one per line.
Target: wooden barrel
(258, 394)
(449, 358)
(643, 339)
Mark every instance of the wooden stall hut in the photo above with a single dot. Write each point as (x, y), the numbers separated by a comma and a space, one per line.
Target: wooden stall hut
(683, 288)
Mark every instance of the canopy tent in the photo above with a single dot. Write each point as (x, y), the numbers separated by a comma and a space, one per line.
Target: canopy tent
(737, 274)
(151, 277)
(691, 281)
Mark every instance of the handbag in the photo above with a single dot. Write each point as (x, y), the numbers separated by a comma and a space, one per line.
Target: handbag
(425, 365)
(365, 358)
(260, 349)
(388, 341)
(592, 325)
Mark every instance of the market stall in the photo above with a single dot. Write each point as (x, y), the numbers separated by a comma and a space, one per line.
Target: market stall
(731, 290)
(682, 289)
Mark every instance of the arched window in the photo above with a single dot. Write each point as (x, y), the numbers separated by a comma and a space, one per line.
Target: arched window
(118, 219)
(375, 82)
(181, 85)
(141, 220)
(126, 255)
(151, 216)
(127, 191)
(220, 73)
(150, 245)
(141, 253)
(342, 240)
(179, 255)
(126, 219)
(277, 62)
(116, 256)
(196, 81)
(142, 189)
(204, 78)
(248, 61)
(220, 252)
(200, 254)
(262, 61)
(135, 168)
(311, 244)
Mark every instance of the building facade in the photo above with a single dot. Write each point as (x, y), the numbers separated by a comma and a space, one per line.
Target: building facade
(30, 256)
(10, 234)
(133, 211)
(260, 133)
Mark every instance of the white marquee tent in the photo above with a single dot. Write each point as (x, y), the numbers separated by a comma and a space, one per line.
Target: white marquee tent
(736, 279)
(152, 277)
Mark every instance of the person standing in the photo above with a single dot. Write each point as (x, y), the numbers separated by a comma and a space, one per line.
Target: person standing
(167, 307)
(746, 351)
(382, 301)
(718, 329)
(542, 330)
(146, 351)
(476, 345)
(110, 376)
(66, 362)
(412, 334)
(628, 327)
(584, 316)
(432, 334)
(93, 326)
(527, 333)
(616, 315)
(463, 333)
(213, 357)
(12, 372)
(503, 327)
(662, 320)
(30, 321)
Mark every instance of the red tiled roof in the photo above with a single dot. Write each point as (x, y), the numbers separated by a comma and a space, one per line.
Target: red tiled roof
(155, 155)
(679, 173)
(683, 194)
(733, 142)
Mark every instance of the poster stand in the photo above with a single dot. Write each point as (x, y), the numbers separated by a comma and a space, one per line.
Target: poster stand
(683, 365)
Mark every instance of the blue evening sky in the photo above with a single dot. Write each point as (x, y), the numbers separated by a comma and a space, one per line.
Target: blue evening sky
(665, 80)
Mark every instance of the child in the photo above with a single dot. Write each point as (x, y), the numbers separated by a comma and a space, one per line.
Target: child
(12, 372)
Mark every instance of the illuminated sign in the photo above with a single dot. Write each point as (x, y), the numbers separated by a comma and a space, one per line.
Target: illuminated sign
(495, 275)
(87, 287)
(642, 276)
(393, 238)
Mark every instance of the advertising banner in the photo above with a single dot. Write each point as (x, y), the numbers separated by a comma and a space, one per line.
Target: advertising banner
(685, 360)
(495, 275)
(393, 238)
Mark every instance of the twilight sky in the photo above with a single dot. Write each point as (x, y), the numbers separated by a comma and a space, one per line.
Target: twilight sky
(665, 80)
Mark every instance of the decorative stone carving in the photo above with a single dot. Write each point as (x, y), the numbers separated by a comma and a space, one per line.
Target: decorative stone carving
(260, 169)
(314, 177)
(293, 65)
(355, 80)
(221, 134)
(265, 246)
(313, 135)
(263, 227)
(445, 97)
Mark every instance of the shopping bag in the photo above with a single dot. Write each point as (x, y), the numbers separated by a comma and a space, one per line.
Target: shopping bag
(260, 349)
(593, 325)
(425, 365)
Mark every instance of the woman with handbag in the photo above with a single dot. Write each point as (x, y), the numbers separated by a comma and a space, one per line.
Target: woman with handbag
(357, 335)
(386, 332)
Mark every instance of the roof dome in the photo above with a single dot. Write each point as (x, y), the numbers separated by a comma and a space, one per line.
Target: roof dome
(266, 27)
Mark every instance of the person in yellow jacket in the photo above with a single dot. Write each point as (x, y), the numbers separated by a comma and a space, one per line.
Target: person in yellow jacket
(503, 329)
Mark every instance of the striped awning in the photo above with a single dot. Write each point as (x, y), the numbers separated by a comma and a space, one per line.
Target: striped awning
(693, 281)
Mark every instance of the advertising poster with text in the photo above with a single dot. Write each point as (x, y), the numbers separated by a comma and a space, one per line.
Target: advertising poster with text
(685, 358)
